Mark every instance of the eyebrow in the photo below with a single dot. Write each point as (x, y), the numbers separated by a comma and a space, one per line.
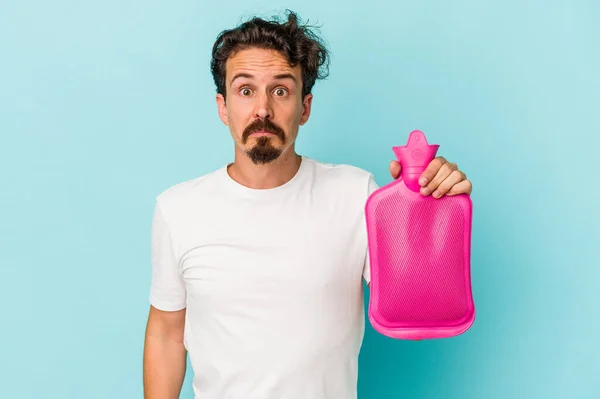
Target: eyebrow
(277, 77)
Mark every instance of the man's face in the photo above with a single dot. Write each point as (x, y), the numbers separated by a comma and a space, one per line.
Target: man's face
(264, 107)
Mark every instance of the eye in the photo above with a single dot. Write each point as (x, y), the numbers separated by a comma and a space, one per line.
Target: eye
(280, 91)
(245, 91)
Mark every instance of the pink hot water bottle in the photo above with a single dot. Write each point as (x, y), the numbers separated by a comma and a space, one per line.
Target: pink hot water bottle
(419, 252)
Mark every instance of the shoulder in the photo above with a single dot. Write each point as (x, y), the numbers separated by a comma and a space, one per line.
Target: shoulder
(189, 191)
(343, 174)
(347, 180)
(341, 171)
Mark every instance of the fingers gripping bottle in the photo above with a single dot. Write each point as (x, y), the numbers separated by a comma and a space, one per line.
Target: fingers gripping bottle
(419, 252)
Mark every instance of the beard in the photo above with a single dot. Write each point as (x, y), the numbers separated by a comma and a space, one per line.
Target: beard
(263, 151)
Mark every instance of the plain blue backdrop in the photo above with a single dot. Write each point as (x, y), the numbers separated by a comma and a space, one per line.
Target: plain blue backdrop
(104, 104)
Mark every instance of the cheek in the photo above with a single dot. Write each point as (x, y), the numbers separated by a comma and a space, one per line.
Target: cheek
(238, 120)
(298, 112)
(294, 118)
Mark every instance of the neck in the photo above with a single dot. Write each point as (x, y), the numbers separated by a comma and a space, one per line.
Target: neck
(271, 175)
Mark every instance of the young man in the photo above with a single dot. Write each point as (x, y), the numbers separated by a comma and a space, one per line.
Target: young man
(257, 267)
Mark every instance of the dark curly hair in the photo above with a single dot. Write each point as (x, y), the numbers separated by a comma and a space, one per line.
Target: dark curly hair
(296, 42)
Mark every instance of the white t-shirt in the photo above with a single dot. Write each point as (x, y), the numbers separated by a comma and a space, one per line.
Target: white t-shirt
(271, 279)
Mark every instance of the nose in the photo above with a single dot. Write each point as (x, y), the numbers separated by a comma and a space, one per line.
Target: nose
(263, 107)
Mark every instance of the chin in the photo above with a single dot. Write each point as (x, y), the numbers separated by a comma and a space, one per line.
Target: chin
(264, 152)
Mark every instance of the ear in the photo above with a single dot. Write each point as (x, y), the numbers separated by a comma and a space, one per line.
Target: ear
(306, 104)
(222, 108)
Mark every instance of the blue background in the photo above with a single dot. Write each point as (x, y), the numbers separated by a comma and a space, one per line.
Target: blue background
(105, 104)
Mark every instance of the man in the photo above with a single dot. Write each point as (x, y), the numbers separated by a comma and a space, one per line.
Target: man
(257, 267)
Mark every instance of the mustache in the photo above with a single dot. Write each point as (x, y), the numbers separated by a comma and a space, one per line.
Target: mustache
(265, 125)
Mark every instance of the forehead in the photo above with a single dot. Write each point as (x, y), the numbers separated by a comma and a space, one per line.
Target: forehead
(261, 63)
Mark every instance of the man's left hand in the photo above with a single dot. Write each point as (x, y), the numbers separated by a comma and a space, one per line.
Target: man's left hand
(440, 178)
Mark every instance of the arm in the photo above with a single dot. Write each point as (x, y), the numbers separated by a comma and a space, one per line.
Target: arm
(164, 354)
(164, 351)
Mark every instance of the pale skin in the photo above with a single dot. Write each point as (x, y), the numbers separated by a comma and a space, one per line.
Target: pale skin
(259, 84)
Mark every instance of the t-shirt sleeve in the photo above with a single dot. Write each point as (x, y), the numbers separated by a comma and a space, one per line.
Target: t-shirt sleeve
(372, 186)
(167, 290)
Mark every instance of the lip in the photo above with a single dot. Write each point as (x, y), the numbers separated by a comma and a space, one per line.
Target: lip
(262, 133)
